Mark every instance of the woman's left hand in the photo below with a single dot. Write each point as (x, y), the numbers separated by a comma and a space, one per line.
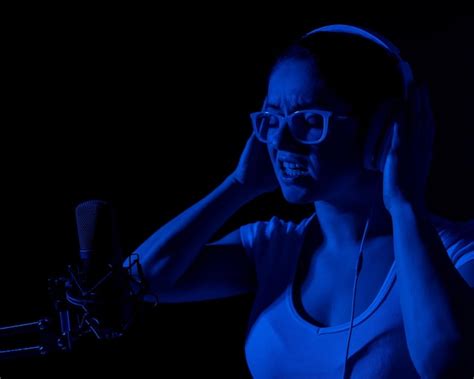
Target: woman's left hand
(408, 162)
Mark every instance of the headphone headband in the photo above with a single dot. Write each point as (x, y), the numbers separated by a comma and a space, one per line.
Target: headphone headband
(383, 42)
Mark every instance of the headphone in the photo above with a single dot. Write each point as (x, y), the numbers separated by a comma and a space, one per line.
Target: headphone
(379, 136)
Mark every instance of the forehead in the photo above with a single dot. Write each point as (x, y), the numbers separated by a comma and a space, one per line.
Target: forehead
(296, 83)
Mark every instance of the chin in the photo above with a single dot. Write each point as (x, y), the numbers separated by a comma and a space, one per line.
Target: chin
(298, 195)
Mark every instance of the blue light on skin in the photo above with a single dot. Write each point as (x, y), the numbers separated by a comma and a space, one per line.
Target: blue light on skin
(336, 181)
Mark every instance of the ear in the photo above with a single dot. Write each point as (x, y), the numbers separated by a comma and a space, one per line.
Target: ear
(379, 135)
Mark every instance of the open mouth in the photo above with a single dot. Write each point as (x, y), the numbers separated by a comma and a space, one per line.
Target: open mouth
(292, 170)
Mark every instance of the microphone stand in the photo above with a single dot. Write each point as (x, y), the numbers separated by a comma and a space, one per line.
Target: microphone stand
(75, 316)
(50, 339)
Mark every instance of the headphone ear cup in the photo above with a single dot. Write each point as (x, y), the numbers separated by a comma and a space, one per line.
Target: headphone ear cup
(379, 137)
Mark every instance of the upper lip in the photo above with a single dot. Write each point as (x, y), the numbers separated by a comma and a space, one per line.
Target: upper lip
(292, 159)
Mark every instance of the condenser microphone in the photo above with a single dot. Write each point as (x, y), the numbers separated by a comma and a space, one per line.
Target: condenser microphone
(98, 296)
(99, 245)
(100, 287)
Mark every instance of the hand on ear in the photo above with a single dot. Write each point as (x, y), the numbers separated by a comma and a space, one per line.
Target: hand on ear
(379, 136)
(254, 170)
(408, 161)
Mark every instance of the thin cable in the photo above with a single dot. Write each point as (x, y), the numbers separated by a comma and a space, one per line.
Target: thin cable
(358, 269)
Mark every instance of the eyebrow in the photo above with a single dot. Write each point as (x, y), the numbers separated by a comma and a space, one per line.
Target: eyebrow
(298, 107)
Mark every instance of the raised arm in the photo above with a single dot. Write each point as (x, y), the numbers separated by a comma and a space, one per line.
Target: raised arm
(178, 261)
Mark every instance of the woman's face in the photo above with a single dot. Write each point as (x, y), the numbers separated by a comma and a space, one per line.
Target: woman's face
(307, 173)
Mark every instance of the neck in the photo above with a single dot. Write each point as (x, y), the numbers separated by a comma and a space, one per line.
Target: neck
(343, 219)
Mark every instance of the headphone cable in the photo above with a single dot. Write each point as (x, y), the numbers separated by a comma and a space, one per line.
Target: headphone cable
(354, 289)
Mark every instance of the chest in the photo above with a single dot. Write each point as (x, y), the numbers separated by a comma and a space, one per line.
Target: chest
(326, 290)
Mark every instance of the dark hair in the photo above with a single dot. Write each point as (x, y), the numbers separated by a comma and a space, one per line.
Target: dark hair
(358, 70)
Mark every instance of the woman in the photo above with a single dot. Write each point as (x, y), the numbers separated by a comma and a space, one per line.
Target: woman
(371, 285)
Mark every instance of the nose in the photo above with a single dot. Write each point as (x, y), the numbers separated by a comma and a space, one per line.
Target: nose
(282, 139)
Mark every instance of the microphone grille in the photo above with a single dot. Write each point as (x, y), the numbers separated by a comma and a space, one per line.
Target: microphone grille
(96, 228)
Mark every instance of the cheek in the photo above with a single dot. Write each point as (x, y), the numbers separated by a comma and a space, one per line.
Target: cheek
(333, 159)
(272, 154)
(341, 145)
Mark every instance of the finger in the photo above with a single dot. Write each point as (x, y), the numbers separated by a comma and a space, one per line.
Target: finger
(395, 146)
(255, 147)
(253, 140)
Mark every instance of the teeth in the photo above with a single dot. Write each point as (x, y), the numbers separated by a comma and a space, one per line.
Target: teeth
(291, 165)
(292, 169)
(294, 172)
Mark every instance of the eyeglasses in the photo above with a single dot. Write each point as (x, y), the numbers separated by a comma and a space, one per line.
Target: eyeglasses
(306, 126)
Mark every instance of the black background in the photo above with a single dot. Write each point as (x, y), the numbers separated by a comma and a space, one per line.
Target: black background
(148, 108)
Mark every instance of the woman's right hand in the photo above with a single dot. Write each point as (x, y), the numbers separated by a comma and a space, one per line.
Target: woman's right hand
(255, 170)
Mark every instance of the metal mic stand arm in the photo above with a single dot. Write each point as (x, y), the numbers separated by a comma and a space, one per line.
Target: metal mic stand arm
(50, 339)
